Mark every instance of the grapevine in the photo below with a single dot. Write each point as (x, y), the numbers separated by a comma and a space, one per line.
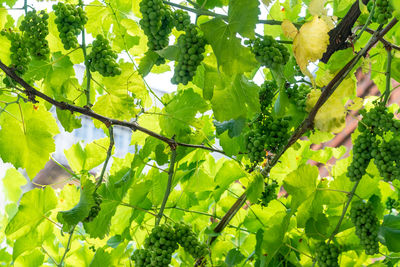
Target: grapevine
(391, 204)
(268, 51)
(70, 21)
(191, 45)
(366, 223)
(102, 58)
(327, 255)
(387, 159)
(383, 11)
(266, 95)
(35, 29)
(188, 240)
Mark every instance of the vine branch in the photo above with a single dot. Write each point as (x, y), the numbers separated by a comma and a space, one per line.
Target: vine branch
(32, 93)
(388, 74)
(109, 150)
(88, 74)
(67, 248)
(169, 185)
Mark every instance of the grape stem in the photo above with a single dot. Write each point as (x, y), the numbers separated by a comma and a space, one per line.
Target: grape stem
(371, 14)
(109, 150)
(169, 184)
(349, 198)
(221, 16)
(88, 74)
(388, 74)
(67, 248)
(25, 6)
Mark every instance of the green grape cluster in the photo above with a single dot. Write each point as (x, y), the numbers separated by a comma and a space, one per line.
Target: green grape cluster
(387, 159)
(102, 58)
(20, 57)
(95, 209)
(255, 144)
(269, 52)
(157, 23)
(362, 155)
(327, 255)
(266, 95)
(363, 217)
(188, 240)
(378, 120)
(70, 21)
(269, 193)
(35, 29)
(298, 94)
(158, 247)
(383, 11)
(191, 46)
(181, 19)
(391, 203)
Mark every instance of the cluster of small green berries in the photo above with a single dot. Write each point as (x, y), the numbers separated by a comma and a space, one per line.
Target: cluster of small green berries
(20, 57)
(362, 155)
(188, 240)
(35, 29)
(157, 23)
(378, 120)
(266, 134)
(391, 204)
(327, 255)
(363, 217)
(102, 58)
(298, 94)
(191, 46)
(386, 156)
(95, 209)
(268, 51)
(266, 95)
(269, 193)
(181, 19)
(70, 21)
(158, 247)
(383, 11)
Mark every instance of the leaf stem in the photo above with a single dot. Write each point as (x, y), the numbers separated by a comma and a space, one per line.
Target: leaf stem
(371, 14)
(206, 12)
(67, 248)
(388, 75)
(169, 185)
(349, 198)
(48, 254)
(109, 150)
(88, 74)
(25, 6)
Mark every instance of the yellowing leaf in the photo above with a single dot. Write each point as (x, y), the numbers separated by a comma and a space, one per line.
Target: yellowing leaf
(357, 104)
(312, 99)
(311, 43)
(317, 7)
(289, 30)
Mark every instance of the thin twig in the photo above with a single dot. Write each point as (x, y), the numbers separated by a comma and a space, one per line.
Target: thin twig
(88, 74)
(48, 254)
(169, 185)
(109, 150)
(67, 248)
(388, 74)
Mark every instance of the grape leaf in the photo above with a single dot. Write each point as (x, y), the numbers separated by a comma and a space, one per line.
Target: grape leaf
(243, 16)
(234, 127)
(72, 217)
(255, 188)
(34, 259)
(389, 232)
(234, 257)
(101, 258)
(33, 208)
(34, 145)
(12, 181)
(230, 54)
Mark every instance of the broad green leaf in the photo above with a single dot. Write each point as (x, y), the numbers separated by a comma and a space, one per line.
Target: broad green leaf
(102, 18)
(72, 217)
(229, 172)
(231, 55)
(234, 127)
(33, 259)
(237, 98)
(101, 258)
(234, 257)
(85, 159)
(243, 16)
(34, 145)
(317, 228)
(33, 208)
(255, 188)
(180, 112)
(12, 181)
(389, 232)
(68, 120)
